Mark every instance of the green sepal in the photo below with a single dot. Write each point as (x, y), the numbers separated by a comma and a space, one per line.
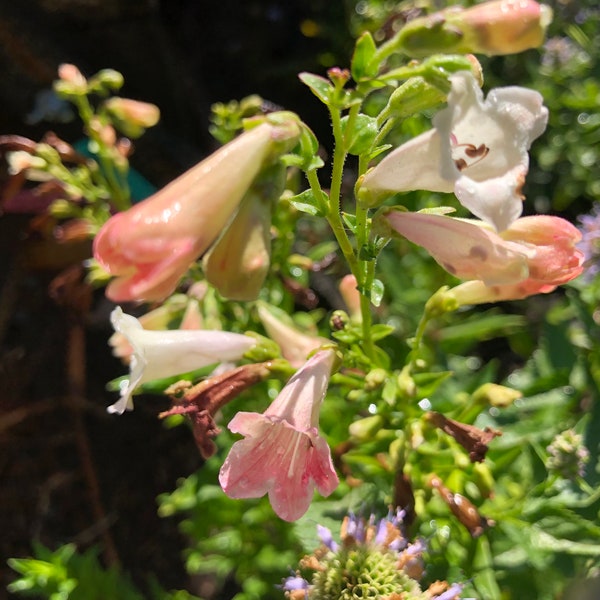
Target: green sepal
(362, 66)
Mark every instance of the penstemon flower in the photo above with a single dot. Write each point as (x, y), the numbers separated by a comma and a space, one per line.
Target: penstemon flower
(282, 453)
(160, 354)
(534, 255)
(477, 149)
(150, 246)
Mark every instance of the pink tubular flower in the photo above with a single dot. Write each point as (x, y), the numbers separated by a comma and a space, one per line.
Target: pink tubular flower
(282, 453)
(150, 246)
(533, 256)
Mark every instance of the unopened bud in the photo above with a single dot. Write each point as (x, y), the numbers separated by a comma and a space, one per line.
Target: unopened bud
(365, 429)
(375, 378)
(71, 74)
(238, 263)
(349, 290)
(493, 28)
(492, 394)
(142, 114)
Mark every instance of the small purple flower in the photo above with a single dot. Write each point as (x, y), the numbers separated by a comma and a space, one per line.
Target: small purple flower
(590, 243)
(452, 593)
(295, 583)
(326, 538)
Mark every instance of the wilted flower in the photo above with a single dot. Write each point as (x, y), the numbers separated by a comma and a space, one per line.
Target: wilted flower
(534, 255)
(202, 401)
(150, 246)
(462, 508)
(477, 149)
(282, 453)
(474, 440)
(160, 354)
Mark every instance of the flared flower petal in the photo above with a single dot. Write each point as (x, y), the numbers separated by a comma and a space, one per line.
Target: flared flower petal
(150, 246)
(478, 150)
(282, 454)
(534, 255)
(159, 354)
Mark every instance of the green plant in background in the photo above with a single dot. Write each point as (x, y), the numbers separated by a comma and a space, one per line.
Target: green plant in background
(387, 388)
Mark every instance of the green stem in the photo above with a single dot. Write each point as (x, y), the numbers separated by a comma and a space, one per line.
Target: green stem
(333, 214)
(116, 184)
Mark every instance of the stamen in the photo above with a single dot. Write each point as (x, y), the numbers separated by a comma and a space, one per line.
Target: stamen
(471, 151)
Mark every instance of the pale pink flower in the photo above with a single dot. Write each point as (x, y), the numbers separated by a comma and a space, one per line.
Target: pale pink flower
(534, 255)
(150, 246)
(282, 453)
(160, 354)
(477, 149)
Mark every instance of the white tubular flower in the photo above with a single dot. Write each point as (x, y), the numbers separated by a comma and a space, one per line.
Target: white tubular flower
(477, 149)
(159, 354)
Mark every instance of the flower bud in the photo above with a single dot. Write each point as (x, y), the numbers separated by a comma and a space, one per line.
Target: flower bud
(365, 429)
(71, 74)
(349, 291)
(132, 116)
(503, 26)
(493, 28)
(239, 261)
(492, 394)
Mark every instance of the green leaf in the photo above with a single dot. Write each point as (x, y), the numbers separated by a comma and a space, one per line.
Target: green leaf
(545, 541)
(308, 203)
(360, 139)
(362, 66)
(319, 86)
(350, 221)
(380, 331)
